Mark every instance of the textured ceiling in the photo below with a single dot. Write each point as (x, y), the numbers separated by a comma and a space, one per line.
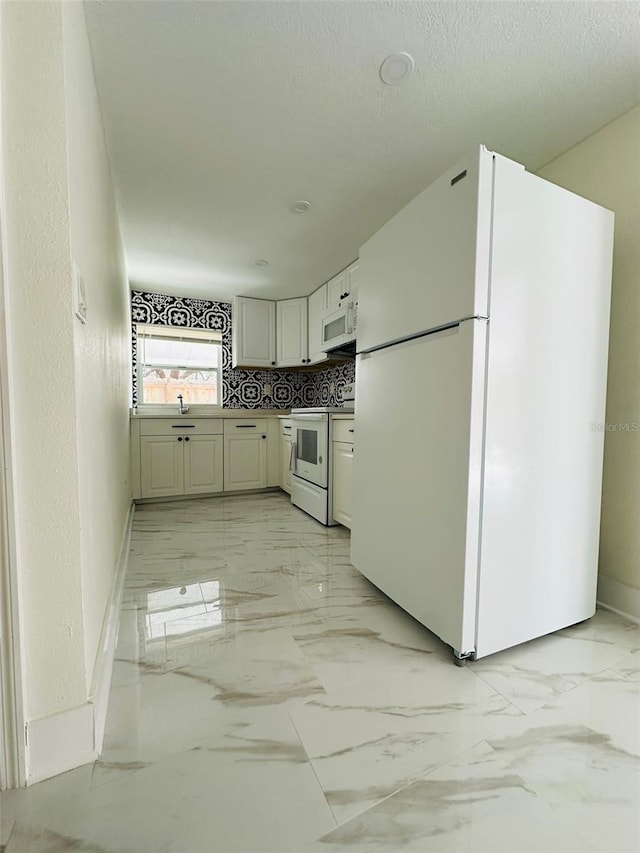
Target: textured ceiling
(219, 115)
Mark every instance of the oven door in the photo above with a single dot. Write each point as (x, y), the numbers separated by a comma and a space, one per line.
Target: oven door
(310, 446)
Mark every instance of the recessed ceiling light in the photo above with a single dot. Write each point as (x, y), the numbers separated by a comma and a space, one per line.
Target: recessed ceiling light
(301, 206)
(396, 68)
(261, 262)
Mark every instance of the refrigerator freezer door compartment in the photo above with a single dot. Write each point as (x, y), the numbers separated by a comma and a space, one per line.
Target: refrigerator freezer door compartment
(429, 265)
(417, 476)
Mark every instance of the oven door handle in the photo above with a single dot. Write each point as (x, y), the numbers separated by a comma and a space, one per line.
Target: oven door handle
(292, 457)
(306, 418)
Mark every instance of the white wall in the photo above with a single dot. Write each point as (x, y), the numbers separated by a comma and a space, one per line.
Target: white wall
(605, 168)
(102, 346)
(68, 384)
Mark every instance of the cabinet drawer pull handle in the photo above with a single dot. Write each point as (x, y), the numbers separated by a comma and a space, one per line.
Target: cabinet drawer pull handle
(245, 426)
(183, 426)
(287, 427)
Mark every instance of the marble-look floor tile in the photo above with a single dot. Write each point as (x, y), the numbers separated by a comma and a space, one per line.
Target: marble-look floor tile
(581, 754)
(535, 673)
(248, 792)
(367, 741)
(26, 839)
(371, 643)
(473, 804)
(22, 806)
(629, 666)
(249, 672)
(264, 692)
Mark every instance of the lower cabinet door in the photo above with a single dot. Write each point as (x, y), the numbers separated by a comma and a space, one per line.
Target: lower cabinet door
(285, 464)
(342, 467)
(203, 464)
(245, 462)
(161, 466)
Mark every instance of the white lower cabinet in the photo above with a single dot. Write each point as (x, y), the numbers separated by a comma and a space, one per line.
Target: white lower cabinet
(161, 466)
(285, 456)
(173, 457)
(342, 473)
(245, 454)
(343, 437)
(203, 464)
(180, 462)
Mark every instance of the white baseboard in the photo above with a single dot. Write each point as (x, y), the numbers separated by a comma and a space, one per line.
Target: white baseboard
(619, 597)
(70, 738)
(101, 683)
(60, 742)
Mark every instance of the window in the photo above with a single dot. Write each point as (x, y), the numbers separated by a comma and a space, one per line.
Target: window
(174, 361)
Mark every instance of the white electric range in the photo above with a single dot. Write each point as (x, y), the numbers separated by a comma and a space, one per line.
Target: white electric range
(311, 459)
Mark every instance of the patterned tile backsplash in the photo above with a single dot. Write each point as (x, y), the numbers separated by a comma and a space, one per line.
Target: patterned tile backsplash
(241, 389)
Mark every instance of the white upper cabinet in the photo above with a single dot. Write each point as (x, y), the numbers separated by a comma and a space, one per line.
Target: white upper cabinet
(342, 285)
(336, 288)
(287, 333)
(352, 278)
(253, 332)
(291, 332)
(317, 305)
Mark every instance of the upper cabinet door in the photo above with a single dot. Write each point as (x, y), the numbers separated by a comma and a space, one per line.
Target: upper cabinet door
(253, 332)
(429, 265)
(292, 332)
(336, 288)
(317, 305)
(352, 274)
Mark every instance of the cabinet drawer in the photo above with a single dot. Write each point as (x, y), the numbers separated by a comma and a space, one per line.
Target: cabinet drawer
(285, 428)
(244, 426)
(343, 431)
(180, 426)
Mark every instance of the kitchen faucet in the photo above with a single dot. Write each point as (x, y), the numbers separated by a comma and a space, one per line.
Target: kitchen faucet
(183, 409)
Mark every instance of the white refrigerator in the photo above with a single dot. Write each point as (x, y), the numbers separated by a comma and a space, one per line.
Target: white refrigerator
(482, 337)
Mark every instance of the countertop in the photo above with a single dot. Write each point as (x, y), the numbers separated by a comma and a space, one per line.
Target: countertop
(222, 413)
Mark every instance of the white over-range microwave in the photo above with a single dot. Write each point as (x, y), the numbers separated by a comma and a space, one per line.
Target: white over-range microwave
(339, 325)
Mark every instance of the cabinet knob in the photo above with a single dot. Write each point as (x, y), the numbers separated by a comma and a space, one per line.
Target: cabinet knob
(179, 438)
(273, 363)
(186, 438)
(264, 436)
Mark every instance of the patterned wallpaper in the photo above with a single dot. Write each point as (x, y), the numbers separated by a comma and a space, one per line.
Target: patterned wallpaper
(241, 389)
(317, 390)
